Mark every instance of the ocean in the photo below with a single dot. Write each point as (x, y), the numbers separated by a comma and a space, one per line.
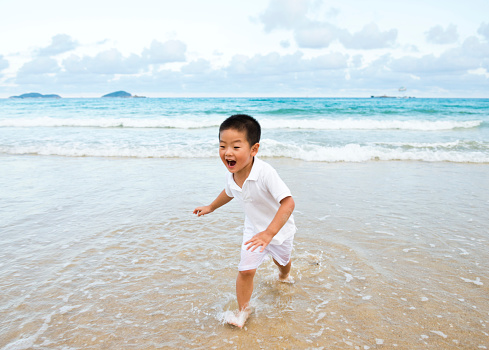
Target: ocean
(99, 248)
(310, 129)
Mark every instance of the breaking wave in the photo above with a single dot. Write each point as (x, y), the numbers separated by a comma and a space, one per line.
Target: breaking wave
(458, 151)
(175, 123)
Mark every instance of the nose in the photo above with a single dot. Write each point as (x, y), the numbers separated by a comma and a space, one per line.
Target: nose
(228, 150)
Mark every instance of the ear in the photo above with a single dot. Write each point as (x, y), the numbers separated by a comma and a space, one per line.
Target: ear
(254, 149)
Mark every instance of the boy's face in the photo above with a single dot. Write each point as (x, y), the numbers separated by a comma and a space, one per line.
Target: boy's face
(235, 151)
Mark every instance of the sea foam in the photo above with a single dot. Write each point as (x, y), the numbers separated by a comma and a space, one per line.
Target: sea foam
(169, 123)
(435, 152)
(193, 123)
(369, 124)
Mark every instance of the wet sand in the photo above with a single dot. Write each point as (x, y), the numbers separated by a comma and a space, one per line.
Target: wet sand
(101, 253)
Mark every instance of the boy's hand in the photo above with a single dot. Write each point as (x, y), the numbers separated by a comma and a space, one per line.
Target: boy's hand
(203, 210)
(222, 199)
(261, 239)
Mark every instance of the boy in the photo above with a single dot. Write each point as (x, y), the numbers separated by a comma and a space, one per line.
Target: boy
(267, 202)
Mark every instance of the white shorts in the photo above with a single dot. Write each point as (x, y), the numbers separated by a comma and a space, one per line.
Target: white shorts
(251, 260)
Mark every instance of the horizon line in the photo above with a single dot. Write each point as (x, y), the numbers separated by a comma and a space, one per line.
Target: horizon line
(13, 97)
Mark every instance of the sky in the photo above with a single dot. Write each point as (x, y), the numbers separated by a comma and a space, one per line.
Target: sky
(297, 48)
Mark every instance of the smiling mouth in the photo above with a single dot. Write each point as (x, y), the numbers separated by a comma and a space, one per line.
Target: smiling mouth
(231, 162)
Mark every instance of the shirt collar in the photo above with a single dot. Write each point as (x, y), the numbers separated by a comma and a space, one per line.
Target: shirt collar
(255, 170)
(253, 176)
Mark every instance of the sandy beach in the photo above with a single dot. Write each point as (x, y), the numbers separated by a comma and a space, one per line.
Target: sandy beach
(105, 253)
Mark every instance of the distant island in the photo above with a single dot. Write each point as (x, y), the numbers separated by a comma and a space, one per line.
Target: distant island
(118, 94)
(36, 95)
(122, 94)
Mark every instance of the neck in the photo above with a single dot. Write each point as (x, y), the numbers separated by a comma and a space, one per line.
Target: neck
(241, 176)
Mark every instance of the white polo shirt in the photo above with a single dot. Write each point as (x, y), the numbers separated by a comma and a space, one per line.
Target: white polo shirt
(260, 198)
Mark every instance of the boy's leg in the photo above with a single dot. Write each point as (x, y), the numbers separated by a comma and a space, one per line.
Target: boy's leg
(247, 268)
(282, 258)
(244, 282)
(284, 271)
(244, 288)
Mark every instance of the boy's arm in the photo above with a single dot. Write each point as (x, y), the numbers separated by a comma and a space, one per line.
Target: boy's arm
(263, 238)
(222, 199)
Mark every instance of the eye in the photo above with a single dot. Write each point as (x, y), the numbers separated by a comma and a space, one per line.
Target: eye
(236, 147)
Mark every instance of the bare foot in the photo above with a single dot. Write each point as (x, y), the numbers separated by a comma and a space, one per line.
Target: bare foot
(239, 318)
(287, 279)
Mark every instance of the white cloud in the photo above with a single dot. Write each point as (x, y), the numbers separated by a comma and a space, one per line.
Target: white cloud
(370, 37)
(169, 51)
(3, 63)
(475, 51)
(285, 14)
(333, 12)
(40, 65)
(438, 35)
(74, 65)
(326, 73)
(484, 30)
(59, 44)
(480, 71)
(106, 62)
(357, 61)
(416, 65)
(310, 33)
(262, 65)
(316, 35)
(471, 55)
(334, 60)
(196, 67)
(105, 69)
(112, 61)
(271, 73)
(285, 44)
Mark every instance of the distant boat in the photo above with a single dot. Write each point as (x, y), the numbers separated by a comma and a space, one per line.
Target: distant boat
(401, 89)
(385, 96)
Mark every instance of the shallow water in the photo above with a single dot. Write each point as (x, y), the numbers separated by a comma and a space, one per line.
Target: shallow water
(105, 253)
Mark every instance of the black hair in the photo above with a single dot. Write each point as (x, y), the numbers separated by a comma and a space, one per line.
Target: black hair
(243, 123)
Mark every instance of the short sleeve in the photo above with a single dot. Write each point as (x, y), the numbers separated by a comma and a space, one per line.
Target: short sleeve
(227, 187)
(275, 185)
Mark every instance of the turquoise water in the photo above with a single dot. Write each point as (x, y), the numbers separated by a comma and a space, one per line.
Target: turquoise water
(316, 129)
